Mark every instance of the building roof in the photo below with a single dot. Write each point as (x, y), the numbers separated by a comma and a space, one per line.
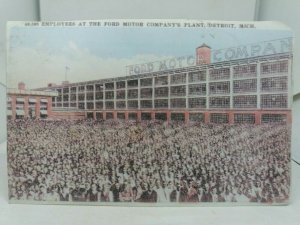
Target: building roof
(32, 93)
(204, 46)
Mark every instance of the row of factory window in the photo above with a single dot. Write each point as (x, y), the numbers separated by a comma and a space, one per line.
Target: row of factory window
(239, 118)
(241, 71)
(241, 101)
(274, 84)
(30, 101)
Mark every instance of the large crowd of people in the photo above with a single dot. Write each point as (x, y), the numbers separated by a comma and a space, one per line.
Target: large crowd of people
(109, 161)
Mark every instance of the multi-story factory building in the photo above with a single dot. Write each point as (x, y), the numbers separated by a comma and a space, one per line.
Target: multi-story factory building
(251, 90)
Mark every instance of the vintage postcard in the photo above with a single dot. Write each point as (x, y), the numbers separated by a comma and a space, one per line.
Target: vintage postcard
(149, 112)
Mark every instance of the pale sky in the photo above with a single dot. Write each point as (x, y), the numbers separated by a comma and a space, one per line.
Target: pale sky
(39, 55)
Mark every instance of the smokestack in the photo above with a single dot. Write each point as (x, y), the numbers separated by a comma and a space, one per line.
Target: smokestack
(21, 86)
(203, 54)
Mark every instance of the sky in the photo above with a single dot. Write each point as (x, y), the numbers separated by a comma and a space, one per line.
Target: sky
(40, 55)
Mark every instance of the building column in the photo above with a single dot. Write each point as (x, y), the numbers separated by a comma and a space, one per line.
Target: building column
(13, 107)
(168, 116)
(139, 116)
(26, 106)
(49, 106)
(257, 118)
(186, 117)
(115, 117)
(206, 117)
(288, 118)
(152, 115)
(231, 117)
(38, 107)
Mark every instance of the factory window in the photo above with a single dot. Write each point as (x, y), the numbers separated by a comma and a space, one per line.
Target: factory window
(273, 118)
(196, 117)
(120, 84)
(99, 116)
(99, 105)
(197, 89)
(73, 97)
(197, 103)
(66, 104)
(274, 84)
(90, 105)
(219, 88)
(274, 68)
(132, 116)
(274, 101)
(58, 99)
(20, 100)
(59, 91)
(178, 91)
(161, 80)
(66, 98)
(146, 82)
(81, 88)
(146, 93)
(121, 94)
(242, 86)
(161, 103)
(109, 95)
(58, 105)
(53, 104)
(178, 103)
(219, 102)
(90, 87)
(109, 116)
(121, 104)
(244, 71)
(89, 115)
(132, 93)
(132, 83)
(162, 92)
(219, 118)
(197, 76)
(121, 116)
(90, 96)
(245, 101)
(109, 86)
(177, 117)
(178, 78)
(73, 89)
(244, 118)
(109, 105)
(81, 105)
(145, 116)
(65, 90)
(161, 116)
(146, 104)
(132, 104)
(219, 74)
(81, 97)
(99, 87)
(73, 104)
(99, 95)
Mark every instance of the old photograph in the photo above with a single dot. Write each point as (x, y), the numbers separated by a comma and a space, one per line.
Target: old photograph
(149, 112)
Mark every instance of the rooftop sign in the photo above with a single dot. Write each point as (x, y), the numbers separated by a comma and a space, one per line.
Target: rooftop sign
(240, 52)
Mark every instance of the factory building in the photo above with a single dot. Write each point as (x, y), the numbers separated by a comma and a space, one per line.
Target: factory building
(252, 90)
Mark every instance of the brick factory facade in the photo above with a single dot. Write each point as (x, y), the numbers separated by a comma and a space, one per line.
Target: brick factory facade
(253, 90)
(22, 103)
